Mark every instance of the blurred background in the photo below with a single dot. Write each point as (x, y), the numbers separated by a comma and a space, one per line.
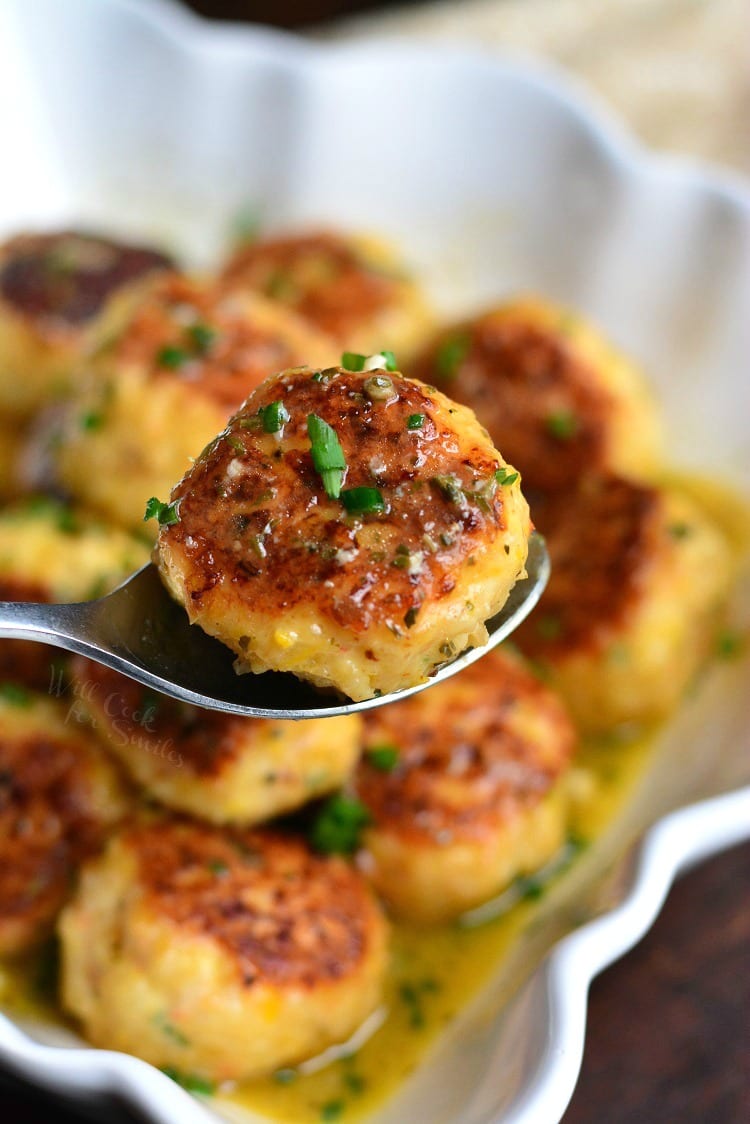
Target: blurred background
(678, 71)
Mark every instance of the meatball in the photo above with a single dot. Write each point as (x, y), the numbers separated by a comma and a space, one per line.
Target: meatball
(224, 954)
(218, 767)
(639, 581)
(187, 358)
(59, 295)
(465, 787)
(49, 552)
(59, 798)
(361, 577)
(555, 397)
(351, 288)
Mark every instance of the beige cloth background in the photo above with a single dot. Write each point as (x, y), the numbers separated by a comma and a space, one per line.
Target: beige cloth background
(678, 71)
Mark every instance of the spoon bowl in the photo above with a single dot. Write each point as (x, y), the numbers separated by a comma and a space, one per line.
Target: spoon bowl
(140, 631)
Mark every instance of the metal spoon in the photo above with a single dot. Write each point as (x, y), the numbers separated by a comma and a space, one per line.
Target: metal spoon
(139, 630)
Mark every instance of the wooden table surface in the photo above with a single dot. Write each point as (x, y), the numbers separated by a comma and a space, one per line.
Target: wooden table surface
(668, 1036)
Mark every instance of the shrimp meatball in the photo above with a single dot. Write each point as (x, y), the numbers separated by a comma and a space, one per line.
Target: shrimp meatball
(351, 288)
(218, 767)
(639, 581)
(362, 541)
(59, 295)
(465, 787)
(187, 358)
(555, 397)
(59, 798)
(224, 954)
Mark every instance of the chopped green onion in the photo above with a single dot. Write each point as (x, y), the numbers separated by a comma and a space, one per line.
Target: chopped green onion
(327, 454)
(171, 357)
(15, 694)
(362, 501)
(562, 424)
(274, 416)
(505, 477)
(202, 336)
(384, 758)
(165, 513)
(92, 420)
(451, 354)
(390, 360)
(450, 487)
(235, 443)
(332, 1110)
(415, 421)
(352, 361)
(338, 825)
(190, 1081)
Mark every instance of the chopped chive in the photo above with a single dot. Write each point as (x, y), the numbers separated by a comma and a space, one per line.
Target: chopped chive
(562, 424)
(362, 501)
(337, 826)
(327, 455)
(415, 421)
(171, 357)
(384, 758)
(274, 416)
(166, 514)
(16, 695)
(505, 477)
(202, 337)
(92, 420)
(190, 1081)
(352, 361)
(451, 354)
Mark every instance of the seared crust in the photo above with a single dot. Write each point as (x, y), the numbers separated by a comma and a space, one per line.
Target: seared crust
(58, 802)
(555, 398)
(165, 385)
(256, 527)
(224, 953)
(471, 791)
(219, 767)
(639, 581)
(349, 289)
(60, 294)
(62, 280)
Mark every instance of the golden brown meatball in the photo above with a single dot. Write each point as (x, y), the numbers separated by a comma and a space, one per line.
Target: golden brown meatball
(362, 577)
(189, 355)
(218, 767)
(465, 786)
(350, 288)
(555, 397)
(639, 579)
(59, 295)
(59, 798)
(224, 954)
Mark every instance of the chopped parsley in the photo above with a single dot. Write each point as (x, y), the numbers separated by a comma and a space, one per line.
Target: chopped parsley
(336, 828)
(363, 501)
(166, 514)
(273, 417)
(505, 477)
(384, 758)
(415, 421)
(562, 424)
(327, 454)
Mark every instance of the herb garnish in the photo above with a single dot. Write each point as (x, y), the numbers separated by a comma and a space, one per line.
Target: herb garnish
(190, 1081)
(505, 477)
(353, 361)
(327, 455)
(337, 826)
(415, 421)
(562, 424)
(384, 758)
(166, 514)
(171, 357)
(451, 354)
(363, 501)
(273, 417)
(15, 694)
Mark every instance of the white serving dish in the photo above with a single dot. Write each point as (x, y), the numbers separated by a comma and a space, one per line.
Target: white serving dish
(134, 116)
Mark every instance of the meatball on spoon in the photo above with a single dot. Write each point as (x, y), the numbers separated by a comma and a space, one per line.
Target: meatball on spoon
(140, 631)
(372, 550)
